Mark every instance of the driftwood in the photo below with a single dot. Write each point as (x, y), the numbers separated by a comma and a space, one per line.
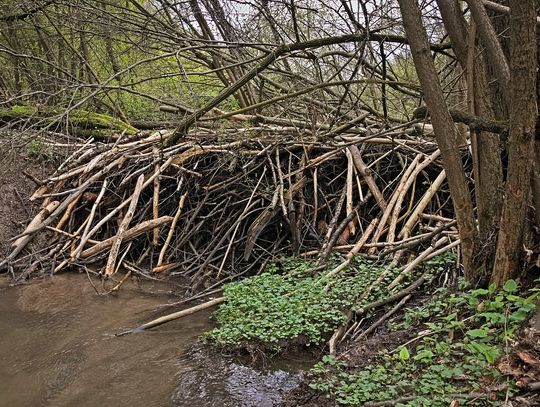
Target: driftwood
(179, 314)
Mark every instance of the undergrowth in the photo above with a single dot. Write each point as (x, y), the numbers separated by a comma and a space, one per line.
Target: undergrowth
(459, 338)
(289, 303)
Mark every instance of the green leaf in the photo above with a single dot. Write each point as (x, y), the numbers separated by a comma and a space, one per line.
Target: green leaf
(492, 317)
(489, 352)
(510, 286)
(424, 354)
(404, 354)
(518, 316)
(477, 333)
(479, 292)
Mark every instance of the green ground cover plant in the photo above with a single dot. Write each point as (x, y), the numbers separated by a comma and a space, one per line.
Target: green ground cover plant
(288, 302)
(458, 339)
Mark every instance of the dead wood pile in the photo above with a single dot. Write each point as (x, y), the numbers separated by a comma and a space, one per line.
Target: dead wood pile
(224, 202)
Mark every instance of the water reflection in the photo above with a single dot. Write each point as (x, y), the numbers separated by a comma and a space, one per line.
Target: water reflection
(58, 349)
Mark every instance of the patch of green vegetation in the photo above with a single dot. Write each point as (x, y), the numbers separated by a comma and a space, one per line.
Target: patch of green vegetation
(272, 308)
(84, 118)
(39, 149)
(460, 337)
(17, 111)
(76, 117)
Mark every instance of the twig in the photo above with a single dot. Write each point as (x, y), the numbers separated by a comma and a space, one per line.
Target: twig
(115, 247)
(380, 321)
(392, 298)
(176, 315)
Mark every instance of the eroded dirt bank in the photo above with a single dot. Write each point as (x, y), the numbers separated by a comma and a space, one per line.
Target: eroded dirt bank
(15, 186)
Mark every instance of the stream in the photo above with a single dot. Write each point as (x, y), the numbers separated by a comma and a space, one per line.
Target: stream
(59, 348)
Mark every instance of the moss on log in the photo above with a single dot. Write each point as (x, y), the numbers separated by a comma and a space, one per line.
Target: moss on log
(77, 118)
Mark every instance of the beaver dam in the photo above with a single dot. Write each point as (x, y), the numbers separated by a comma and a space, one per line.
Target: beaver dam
(226, 204)
(350, 186)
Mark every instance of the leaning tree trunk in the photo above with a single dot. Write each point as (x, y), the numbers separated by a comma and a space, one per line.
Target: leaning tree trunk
(488, 172)
(489, 40)
(445, 132)
(523, 112)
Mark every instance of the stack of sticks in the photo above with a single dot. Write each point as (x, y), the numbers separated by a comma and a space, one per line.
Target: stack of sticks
(224, 202)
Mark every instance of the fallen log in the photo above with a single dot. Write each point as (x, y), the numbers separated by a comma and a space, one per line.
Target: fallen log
(77, 120)
(474, 122)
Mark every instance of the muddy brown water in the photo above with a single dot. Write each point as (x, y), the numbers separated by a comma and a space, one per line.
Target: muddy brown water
(58, 348)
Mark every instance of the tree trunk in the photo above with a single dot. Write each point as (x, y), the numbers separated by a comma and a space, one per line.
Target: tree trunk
(445, 132)
(523, 112)
(536, 184)
(488, 174)
(489, 40)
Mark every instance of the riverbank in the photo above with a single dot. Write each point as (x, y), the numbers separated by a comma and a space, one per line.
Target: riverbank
(442, 343)
(21, 161)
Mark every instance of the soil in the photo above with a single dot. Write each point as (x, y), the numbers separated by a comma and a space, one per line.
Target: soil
(15, 188)
(303, 395)
(356, 355)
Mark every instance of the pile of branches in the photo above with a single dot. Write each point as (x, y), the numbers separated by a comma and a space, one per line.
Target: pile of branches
(223, 202)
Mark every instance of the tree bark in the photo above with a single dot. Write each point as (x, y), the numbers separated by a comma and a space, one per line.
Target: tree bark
(445, 132)
(489, 40)
(488, 173)
(535, 180)
(523, 112)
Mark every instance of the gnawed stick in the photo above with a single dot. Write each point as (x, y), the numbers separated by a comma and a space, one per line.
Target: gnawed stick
(155, 201)
(376, 304)
(124, 203)
(85, 237)
(410, 181)
(366, 174)
(444, 249)
(165, 267)
(395, 196)
(427, 254)
(40, 217)
(70, 235)
(75, 195)
(128, 235)
(171, 231)
(349, 206)
(111, 261)
(124, 279)
(381, 320)
(175, 315)
(411, 242)
(336, 233)
(363, 239)
(67, 214)
(22, 241)
(428, 195)
(406, 291)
